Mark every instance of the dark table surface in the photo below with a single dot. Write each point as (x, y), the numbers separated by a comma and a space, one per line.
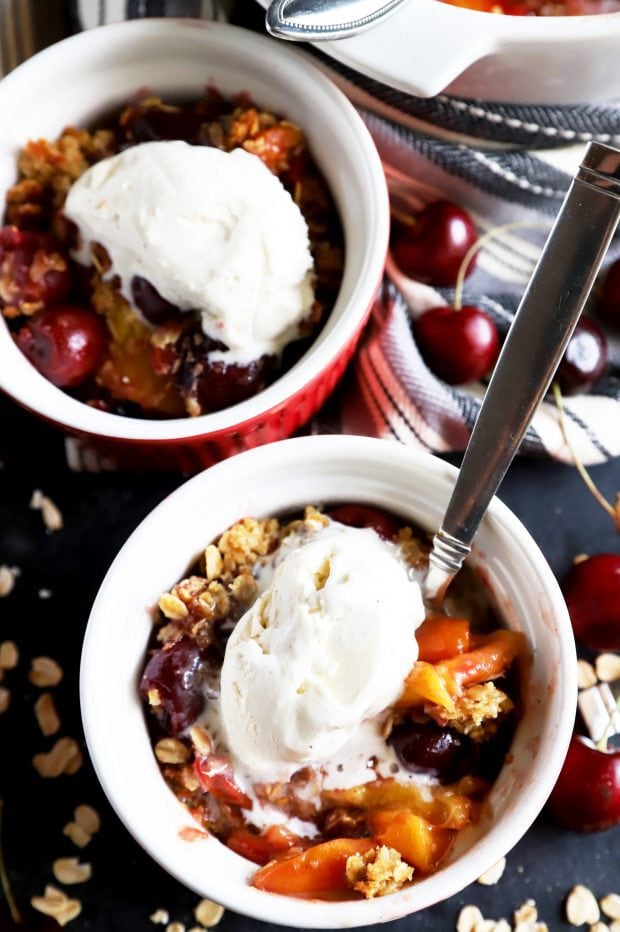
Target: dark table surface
(99, 512)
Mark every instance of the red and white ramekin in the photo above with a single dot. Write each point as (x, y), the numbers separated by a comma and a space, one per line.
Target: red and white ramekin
(277, 479)
(82, 78)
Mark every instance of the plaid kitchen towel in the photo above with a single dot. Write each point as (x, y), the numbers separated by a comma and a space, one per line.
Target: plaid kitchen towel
(502, 163)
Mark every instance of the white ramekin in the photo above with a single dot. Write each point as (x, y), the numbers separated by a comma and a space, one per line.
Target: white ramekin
(81, 79)
(427, 47)
(276, 478)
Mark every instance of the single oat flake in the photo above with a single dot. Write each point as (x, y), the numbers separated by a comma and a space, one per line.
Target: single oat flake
(7, 580)
(493, 874)
(70, 870)
(581, 907)
(610, 905)
(87, 818)
(160, 917)
(5, 699)
(57, 904)
(64, 757)
(608, 668)
(9, 655)
(46, 714)
(51, 514)
(208, 913)
(586, 676)
(45, 671)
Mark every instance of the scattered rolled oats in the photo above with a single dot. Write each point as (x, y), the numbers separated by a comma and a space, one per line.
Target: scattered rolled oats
(45, 671)
(69, 870)
(160, 917)
(77, 834)
(46, 714)
(201, 740)
(64, 757)
(208, 913)
(87, 818)
(610, 905)
(7, 580)
(9, 655)
(493, 874)
(608, 667)
(526, 914)
(581, 906)
(52, 517)
(5, 699)
(172, 607)
(469, 919)
(586, 676)
(56, 904)
(175, 927)
(171, 751)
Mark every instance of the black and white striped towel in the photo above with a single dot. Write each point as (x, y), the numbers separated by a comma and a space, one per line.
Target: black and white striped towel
(503, 163)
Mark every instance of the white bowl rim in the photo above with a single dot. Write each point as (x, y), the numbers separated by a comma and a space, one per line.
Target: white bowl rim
(447, 881)
(79, 417)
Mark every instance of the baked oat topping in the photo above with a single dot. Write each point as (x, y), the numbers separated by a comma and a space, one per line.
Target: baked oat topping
(581, 906)
(172, 607)
(208, 913)
(171, 751)
(46, 714)
(57, 904)
(476, 711)
(377, 872)
(70, 871)
(45, 671)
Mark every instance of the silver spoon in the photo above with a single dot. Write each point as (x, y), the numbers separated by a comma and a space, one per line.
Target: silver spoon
(322, 20)
(545, 320)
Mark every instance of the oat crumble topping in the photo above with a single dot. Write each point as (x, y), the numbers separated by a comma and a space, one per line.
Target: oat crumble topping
(377, 872)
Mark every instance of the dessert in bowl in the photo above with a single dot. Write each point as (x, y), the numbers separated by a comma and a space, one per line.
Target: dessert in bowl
(327, 164)
(279, 480)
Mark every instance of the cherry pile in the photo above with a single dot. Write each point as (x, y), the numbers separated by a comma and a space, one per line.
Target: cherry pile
(461, 344)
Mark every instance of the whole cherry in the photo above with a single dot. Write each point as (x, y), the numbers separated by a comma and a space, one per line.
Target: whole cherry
(586, 797)
(592, 592)
(585, 357)
(459, 345)
(609, 304)
(32, 269)
(432, 247)
(64, 343)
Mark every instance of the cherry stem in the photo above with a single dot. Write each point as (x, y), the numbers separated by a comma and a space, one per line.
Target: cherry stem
(588, 481)
(4, 878)
(601, 744)
(480, 242)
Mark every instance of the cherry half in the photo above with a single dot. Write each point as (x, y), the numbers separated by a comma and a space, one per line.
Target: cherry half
(424, 747)
(609, 305)
(585, 358)
(432, 248)
(178, 673)
(586, 797)
(64, 343)
(458, 345)
(592, 592)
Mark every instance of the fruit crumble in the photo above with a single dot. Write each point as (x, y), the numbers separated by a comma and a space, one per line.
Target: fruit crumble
(173, 261)
(313, 715)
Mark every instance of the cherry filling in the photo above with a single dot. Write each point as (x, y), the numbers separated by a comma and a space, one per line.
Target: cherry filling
(33, 269)
(173, 682)
(424, 747)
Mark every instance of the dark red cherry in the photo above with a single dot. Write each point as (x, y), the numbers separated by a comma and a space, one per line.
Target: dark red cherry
(212, 384)
(179, 674)
(384, 523)
(585, 358)
(459, 346)
(148, 299)
(609, 304)
(432, 248)
(33, 270)
(424, 747)
(592, 592)
(586, 797)
(64, 343)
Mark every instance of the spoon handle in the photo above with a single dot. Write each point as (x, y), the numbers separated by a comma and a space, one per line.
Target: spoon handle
(543, 324)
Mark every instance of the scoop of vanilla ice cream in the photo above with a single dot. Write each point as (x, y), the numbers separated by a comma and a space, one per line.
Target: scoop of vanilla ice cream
(212, 231)
(326, 646)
